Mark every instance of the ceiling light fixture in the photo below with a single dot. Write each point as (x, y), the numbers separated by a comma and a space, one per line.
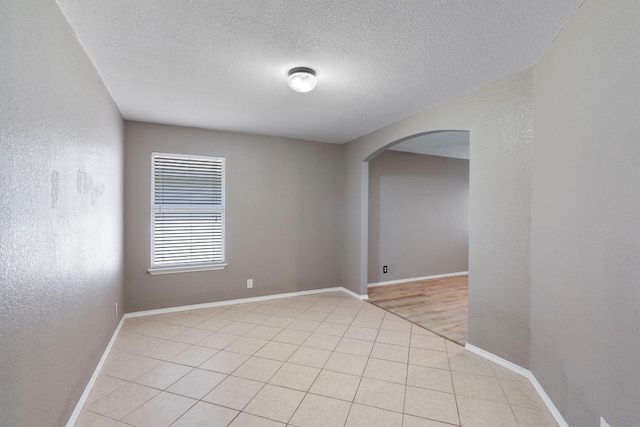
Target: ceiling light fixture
(302, 79)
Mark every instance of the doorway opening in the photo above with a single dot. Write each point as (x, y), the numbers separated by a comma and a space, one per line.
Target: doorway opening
(418, 231)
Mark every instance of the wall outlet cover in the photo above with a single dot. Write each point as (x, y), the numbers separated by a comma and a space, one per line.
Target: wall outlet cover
(249, 283)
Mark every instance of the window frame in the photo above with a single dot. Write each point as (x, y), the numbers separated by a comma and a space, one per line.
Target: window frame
(187, 267)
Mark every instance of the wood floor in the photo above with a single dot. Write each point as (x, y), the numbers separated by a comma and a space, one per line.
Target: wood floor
(440, 305)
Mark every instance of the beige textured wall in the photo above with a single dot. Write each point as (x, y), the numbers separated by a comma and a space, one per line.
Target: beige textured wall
(585, 248)
(499, 117)
(283, 216)
(60, 216)
(418, 215)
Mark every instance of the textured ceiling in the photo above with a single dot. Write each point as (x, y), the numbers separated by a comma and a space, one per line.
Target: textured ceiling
(222, 64)
(444, 144)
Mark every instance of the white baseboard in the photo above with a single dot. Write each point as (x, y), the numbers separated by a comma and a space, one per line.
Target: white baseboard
(525, 373)
(87, 390)
(239, 301)
(547, 401)
(243, 300)
(353, 294)
(498, 360)
(96, 372)
(416, 279)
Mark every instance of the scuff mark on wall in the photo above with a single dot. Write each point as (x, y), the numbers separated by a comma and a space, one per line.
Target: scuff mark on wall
(82, 181)
(55, 188)
(88, 185)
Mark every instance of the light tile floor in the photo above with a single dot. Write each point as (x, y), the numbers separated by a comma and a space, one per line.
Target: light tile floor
(320, 360)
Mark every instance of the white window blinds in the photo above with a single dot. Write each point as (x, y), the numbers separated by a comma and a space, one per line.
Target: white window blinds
(188, 210)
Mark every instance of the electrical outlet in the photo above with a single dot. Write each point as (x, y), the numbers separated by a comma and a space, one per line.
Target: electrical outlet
(384, 269)
(249, 283)
(116, 309)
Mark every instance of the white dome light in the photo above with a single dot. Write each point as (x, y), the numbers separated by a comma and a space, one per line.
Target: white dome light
(302, 79)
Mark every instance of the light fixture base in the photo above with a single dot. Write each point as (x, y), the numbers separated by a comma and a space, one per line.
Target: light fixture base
(302, 79)
(306, 70)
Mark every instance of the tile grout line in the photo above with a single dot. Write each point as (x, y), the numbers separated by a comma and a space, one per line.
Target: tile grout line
(555, 413)
(263, 384)
(505, 395)
(164, 390)
(258, 392)
(353, 401)
(342, 337)
(321, 368)
(283, 363)
(406, 377)
(453, 386)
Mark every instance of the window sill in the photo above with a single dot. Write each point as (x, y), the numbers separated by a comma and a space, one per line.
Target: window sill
(189, 269)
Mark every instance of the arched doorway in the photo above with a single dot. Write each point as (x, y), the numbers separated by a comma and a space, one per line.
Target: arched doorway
(417, 242)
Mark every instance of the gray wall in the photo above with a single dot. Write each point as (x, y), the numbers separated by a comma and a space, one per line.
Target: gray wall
(585, 269)
(418, 215)
(60, 216)
(499, 117)
(283, 216)
(572, 319)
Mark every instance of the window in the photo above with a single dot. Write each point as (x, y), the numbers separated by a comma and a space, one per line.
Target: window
(187, 213)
